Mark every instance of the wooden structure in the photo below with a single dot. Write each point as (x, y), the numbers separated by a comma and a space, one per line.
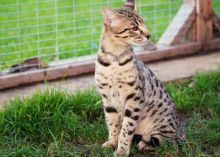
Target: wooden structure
(195, 19)
(190, 31)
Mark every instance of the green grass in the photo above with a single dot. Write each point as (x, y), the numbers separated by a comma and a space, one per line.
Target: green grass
(56, 123)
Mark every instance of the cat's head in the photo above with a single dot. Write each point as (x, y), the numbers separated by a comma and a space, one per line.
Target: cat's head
(125, 24)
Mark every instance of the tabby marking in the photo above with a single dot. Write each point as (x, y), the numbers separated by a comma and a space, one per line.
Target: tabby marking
(135, 101)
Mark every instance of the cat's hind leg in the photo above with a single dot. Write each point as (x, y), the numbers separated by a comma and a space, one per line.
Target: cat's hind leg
(151, 141)
(148, 143)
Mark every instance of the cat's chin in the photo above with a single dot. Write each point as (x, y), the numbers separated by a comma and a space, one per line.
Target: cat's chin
(140, 43)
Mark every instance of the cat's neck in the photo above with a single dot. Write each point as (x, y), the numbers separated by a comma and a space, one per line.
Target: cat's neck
(109, 43)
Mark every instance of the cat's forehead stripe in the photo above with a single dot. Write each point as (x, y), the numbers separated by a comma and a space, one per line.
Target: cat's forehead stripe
(133, 24)
(130, 15)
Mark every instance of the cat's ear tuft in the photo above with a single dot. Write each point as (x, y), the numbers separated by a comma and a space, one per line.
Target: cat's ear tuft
(129, 4)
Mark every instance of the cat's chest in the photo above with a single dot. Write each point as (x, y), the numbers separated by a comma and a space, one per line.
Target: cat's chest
(115, 74)
(112, 81)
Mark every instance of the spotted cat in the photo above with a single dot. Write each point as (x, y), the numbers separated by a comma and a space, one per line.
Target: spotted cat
(135, 102)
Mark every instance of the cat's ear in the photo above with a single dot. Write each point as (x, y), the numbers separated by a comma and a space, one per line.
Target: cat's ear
(129, 4)
(110, 16)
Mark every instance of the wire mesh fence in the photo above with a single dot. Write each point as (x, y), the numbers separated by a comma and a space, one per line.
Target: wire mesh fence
(216, 8)
(52, 30)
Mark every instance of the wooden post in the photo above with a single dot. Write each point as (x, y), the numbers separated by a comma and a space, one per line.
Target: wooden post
(204, 22)
(180, 24)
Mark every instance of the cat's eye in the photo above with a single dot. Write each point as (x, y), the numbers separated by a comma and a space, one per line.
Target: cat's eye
(134, 28)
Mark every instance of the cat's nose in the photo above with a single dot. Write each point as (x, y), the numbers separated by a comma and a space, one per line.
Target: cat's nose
(148, 35)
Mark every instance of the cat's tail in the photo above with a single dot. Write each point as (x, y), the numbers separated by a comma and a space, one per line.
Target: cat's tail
(129, 4)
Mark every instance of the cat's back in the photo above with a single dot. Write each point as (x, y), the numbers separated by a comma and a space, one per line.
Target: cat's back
(160, 109)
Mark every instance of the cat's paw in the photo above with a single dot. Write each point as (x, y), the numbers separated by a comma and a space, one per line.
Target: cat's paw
(109, 144)
(120, 154)
(141, 145)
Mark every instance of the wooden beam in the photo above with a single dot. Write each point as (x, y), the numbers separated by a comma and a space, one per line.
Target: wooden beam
(204, 21)
(191, 34)
(50, 74)
(163, 52)
(180, 25)
(212, 45)
(87, 66)
(216, 20)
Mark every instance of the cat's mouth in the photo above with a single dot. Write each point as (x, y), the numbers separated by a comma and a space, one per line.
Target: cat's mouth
(140, 43)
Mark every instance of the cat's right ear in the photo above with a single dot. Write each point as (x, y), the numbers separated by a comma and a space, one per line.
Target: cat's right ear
(109, 16)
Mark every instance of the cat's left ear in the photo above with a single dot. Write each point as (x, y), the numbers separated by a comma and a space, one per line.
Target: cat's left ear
(129, 4)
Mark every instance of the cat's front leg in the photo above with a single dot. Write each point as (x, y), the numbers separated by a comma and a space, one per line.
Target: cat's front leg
(130, 120)
(112, 117)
